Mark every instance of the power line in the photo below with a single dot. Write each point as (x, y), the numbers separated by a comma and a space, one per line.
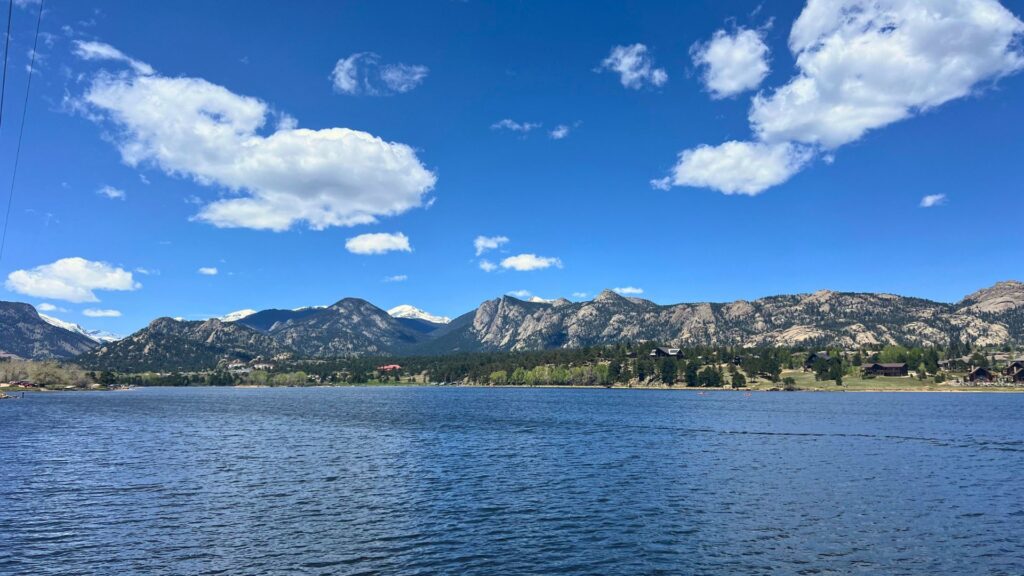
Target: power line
(7, 53)
(21, 130)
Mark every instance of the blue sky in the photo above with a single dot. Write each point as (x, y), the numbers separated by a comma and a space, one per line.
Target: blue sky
(260, 139)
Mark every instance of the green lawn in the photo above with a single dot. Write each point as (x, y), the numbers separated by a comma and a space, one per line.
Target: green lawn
(806, 381)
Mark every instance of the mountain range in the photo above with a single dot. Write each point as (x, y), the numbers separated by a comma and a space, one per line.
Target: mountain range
(352, 326)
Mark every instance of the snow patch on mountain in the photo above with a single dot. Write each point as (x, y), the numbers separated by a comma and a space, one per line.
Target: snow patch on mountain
(98, 336)
(407, 311)
(237, 315)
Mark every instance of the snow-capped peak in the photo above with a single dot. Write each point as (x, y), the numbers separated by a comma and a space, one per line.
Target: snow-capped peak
(236, 315)
(407, 311)
(98, 336)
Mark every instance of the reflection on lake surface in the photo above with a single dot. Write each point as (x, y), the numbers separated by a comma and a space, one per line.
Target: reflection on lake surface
(510, 481)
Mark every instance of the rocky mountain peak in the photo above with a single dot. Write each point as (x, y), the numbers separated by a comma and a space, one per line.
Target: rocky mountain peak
(1000, 297)
(610, 297)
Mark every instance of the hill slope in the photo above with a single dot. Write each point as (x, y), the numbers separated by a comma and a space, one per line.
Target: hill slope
(24, 333)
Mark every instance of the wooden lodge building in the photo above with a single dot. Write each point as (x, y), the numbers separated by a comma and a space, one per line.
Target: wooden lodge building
(886, 369)
(661, 352)
(980, 374)
(814, 357)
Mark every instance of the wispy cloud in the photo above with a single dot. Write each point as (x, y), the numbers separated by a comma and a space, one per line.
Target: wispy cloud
(101, 313)
(396, 278)
(484, 243)
(628, 290)
(208, 271)
(513, 126)
(634, 66)
(112, 193)
(363, 73)
(932, 200)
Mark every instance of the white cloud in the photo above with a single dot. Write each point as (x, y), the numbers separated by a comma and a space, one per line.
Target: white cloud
(628, 290)
(509, 124)
(193, 128)
(403, 77)
(526, 262)
(732, 63)
(208, 271)
(933, 200)
(112, 193)
(861, 66)
(378, 243)
(71, 279)
(46, 307)
(99, 313)
(866, 65)
(147, 271)
(485, 243)
(396, 278)
(579, 294)
(521, 294)
(488, 266)
(739, 167)
(634, 67)
(362, 73)
(101, 51)
(560, 131)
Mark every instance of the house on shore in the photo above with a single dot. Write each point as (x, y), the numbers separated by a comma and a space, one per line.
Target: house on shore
(1018, 376)
(660, 352)
(886, 369)
(979, 374)
(813, 357)
(1013, 367)
(955, 364)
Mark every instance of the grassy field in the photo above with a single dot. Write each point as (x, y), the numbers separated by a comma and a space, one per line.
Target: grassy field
(806, 381)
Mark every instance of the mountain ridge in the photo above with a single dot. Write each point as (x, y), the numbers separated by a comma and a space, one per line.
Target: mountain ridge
(354, 326)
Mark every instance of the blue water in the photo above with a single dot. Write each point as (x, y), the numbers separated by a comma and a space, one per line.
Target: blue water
(510, 481)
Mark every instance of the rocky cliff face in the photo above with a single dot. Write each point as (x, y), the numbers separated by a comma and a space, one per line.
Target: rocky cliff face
(25, 334)
(988, 317)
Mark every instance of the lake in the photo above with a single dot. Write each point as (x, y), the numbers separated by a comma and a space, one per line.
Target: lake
(510, 481)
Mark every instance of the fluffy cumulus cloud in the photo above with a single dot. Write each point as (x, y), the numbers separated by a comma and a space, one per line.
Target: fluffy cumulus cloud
(46, 307)
(862, 65)
(933, 200)
(488, 266)
(112, 193)
(278, 177)
(628, 290)
(521, 294)
(485, 243)
(634, 66)
(363, 73)
(379, 243)
(71, 279)
(208, 271)
(738, 167)
(101, 313)
(527, 262)
(732, 63)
